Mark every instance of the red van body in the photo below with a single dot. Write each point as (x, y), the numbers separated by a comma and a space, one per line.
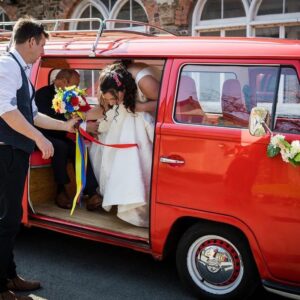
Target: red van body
(231, 214)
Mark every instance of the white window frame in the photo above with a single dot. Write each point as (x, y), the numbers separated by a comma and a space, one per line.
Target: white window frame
(81, 8)
(250, 22)
(118, 7)
(2, 15)
(222, 25)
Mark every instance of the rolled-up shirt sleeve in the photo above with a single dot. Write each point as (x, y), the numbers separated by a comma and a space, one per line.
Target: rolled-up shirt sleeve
(10, 82)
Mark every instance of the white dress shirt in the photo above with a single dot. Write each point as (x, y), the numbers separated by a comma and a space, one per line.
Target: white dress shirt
(11, 81)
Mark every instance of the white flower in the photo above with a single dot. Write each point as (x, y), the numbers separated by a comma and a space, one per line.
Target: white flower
(81, 101)
(295, 148)
(277, 139)
(285, 156)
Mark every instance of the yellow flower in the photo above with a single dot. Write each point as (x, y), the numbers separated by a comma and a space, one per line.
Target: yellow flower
(56, 104)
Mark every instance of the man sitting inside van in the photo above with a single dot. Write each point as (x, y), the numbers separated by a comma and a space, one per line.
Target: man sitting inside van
(64, 147)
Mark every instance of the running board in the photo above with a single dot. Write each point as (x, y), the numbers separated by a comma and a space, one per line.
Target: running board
(138, 245)
(282, 290)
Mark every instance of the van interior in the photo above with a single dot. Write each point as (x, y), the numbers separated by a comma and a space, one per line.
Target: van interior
(42, 187)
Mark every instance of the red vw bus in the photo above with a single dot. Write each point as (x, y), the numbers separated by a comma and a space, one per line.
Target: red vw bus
(229, 212)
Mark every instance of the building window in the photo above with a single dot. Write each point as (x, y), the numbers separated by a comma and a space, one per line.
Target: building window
(4, 18)
(278, 19)
(269, 7)
(292, 32)
(267, 32)
(263, 18)
(210, 33)
(220, 9)
(108, 9)
(130, 10)
(235, 33)
(90, 12)
(89, 9)
(230, 16)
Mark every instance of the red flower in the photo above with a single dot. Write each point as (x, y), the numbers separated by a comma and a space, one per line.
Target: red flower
(74, 101)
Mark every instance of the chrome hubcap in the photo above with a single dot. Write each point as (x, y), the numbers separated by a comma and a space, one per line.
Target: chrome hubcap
(215, 264)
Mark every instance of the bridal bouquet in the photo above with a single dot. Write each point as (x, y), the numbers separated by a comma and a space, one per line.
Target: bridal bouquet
(70, 101)
(290, 152)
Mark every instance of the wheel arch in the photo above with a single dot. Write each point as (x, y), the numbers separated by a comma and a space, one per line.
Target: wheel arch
(181, 225)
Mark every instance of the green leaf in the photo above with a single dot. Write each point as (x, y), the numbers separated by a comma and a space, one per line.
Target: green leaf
(297, 158)
(286, 144)
(272, 151)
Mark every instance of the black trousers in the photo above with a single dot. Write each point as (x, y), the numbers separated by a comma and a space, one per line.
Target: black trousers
(64, 148)
(13, 170)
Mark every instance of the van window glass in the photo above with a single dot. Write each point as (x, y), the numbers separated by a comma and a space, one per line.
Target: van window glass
(288, 102)
(88, 81)
(223, 95)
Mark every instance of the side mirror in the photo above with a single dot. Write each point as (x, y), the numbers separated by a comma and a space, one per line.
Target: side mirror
(259, 121)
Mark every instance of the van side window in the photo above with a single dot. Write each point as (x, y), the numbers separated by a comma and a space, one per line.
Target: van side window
(88, 81)
(287, 117)
(223, 95)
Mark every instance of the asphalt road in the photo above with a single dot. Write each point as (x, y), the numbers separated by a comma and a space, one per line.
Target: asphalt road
(76, 269)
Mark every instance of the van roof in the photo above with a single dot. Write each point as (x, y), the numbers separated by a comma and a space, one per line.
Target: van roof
(122, 43)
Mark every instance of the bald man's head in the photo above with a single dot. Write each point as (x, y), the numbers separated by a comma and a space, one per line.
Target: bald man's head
(66, 77)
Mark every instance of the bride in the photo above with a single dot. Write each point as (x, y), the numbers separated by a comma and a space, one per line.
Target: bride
(123, 174)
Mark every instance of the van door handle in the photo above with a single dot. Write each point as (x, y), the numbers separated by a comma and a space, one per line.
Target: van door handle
(172, 160)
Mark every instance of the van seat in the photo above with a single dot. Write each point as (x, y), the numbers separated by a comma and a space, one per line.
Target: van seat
(188, 109)
(233, 105)
(37, 161)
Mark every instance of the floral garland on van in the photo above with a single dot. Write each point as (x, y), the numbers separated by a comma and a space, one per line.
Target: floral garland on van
(290, 152)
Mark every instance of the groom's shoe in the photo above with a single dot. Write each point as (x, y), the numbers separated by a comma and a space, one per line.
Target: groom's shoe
(94, 202)
(8, 295)
(20, 284)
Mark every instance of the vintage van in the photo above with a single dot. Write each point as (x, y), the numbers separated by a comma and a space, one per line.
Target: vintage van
(229, 212)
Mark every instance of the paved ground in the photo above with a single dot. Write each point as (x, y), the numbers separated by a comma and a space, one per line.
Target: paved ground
(75, 269)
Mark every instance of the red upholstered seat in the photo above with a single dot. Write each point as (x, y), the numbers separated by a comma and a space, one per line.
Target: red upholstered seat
(233, 104)
(188, 109)
(36, 160)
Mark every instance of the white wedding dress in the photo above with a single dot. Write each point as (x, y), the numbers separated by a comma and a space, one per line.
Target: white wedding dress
(124, 174)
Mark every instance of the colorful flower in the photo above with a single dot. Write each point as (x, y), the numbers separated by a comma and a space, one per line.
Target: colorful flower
(69, 101)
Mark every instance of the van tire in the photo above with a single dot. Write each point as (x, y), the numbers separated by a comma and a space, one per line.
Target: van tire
(227, 271)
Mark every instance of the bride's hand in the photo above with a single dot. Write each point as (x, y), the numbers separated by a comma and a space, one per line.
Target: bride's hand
(92, 127)
(71, 124)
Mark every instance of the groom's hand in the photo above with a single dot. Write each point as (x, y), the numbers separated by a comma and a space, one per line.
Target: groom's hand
(45, 147)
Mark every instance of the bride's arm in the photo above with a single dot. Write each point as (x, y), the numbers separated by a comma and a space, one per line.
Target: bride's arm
(144, 77)
(149, 106)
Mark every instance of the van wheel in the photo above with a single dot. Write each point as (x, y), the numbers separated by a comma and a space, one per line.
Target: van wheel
(215, 263)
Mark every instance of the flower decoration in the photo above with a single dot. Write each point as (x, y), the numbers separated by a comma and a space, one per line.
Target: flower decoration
(70, 101)
(290, 152)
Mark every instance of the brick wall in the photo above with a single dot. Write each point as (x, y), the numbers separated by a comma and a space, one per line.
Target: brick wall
(172, 15)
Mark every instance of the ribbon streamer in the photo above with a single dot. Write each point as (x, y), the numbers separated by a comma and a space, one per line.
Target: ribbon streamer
(80, 169)
(92, 139)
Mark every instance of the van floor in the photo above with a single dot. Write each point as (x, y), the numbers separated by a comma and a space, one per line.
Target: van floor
(99, 219)
(42, 190)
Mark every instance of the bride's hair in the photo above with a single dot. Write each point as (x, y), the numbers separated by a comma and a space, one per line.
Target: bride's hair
(115, 78)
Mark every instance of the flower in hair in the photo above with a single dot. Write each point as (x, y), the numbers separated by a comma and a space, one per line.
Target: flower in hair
(116, 79)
